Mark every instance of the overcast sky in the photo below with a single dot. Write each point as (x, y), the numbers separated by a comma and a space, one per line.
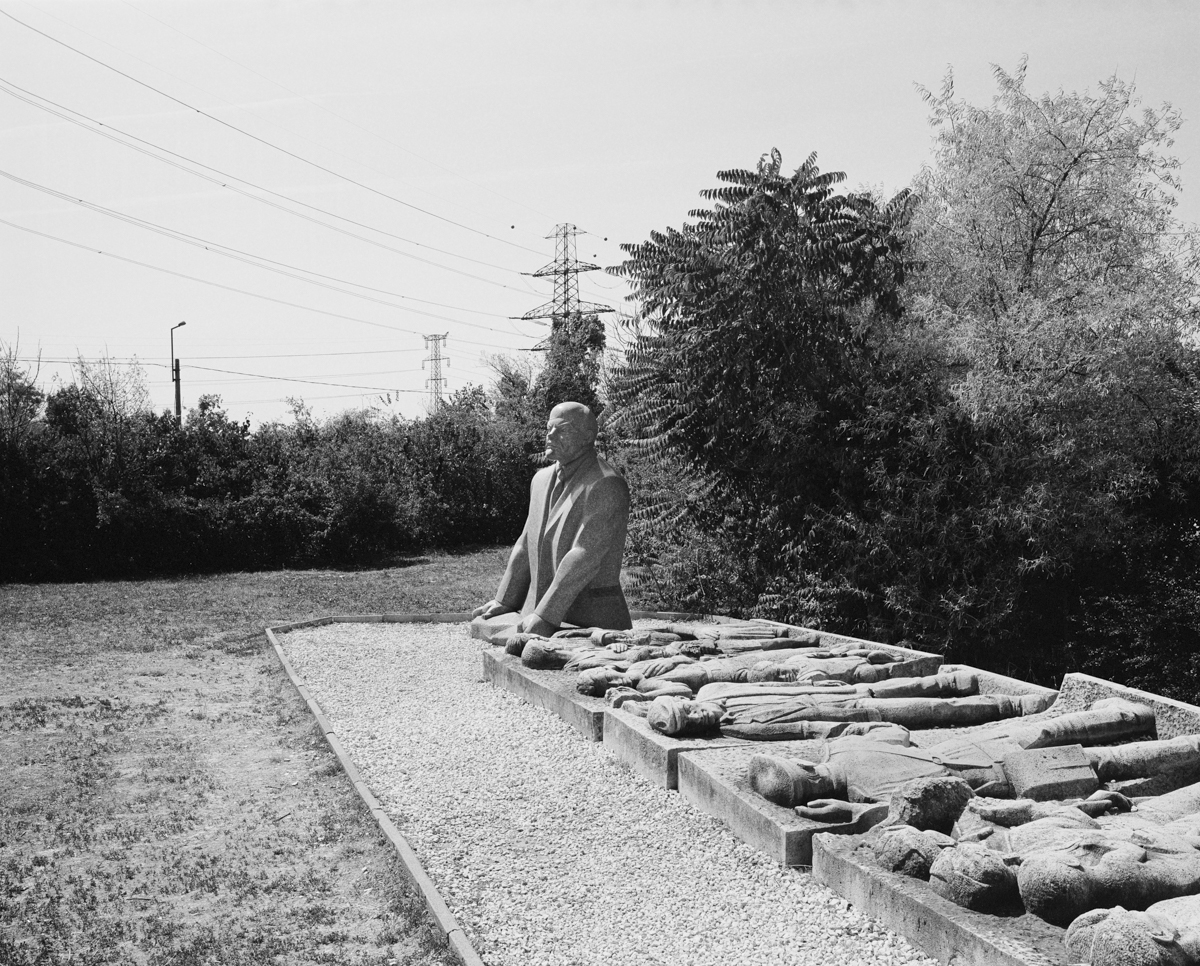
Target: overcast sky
(412, 158)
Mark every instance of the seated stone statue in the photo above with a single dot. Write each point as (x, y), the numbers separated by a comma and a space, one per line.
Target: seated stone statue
(869, 771)
(566, 565)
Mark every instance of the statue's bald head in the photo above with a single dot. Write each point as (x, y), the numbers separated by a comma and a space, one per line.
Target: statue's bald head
(570, 431)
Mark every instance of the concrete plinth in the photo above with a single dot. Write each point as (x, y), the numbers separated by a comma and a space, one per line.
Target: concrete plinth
(650, 754)
(551, 690)
(937, 926)
(1172, 717)
(714, 780)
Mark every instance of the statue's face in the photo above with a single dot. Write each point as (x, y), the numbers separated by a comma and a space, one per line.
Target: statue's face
(702, 716)
(812, 786)
(565, 439)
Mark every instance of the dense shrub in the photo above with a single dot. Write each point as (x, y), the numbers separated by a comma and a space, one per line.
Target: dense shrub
(89, 489)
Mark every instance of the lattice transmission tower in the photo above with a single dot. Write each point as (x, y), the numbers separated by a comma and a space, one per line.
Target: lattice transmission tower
(565, 271)
(436, 380)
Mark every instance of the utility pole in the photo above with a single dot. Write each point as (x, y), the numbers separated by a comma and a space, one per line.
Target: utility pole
(565, 271)
(175, 376)
(436, 380)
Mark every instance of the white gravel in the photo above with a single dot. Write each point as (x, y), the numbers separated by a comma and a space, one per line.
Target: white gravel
(546, 849)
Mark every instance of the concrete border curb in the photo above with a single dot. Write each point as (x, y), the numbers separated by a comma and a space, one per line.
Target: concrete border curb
(444, 924)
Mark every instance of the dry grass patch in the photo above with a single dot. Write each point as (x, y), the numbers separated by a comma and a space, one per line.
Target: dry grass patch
(166, 796)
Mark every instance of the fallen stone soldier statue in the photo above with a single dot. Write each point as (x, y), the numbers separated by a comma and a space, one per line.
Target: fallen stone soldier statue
(670, 710)
(835, 665)
(856, 666)
(772, 711)
(869, 770)
(551, 655)
(1167, 933)
(1061, 863)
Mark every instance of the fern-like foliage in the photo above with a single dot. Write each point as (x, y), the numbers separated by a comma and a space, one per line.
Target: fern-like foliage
(758, 320)
(757, 316)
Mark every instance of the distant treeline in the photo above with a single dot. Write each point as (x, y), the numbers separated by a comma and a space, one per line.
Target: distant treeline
(96, 487)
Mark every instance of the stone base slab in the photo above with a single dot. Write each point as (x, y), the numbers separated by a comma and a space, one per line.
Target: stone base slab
(1173, 718)
(935, 925)
(650, 754)
(714, 781)
(551, 690)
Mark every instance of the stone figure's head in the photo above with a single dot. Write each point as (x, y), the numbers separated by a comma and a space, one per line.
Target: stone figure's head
(597, 681)
(1118, 937)
(790, 781)
(570, 431)
(679, 716)
(813, 783)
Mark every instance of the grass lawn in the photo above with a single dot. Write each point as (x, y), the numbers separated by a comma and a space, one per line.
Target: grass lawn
(166, 798)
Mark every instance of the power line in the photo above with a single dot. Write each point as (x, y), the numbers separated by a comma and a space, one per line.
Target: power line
(134, 360)
(341, 117)
(255, 137)
(313, 382)
(275, 399)
(237, 255)
(32, 100)
(316, 355)
(228, 288)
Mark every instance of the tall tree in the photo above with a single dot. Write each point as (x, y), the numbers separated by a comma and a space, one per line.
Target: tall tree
(572, 369)
(758, 318)
(1066, 295)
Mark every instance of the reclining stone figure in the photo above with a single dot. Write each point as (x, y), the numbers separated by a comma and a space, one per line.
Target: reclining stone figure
(767, 712)
(1063, 864)
(555, 655)
(815, 666)
(1167, 933)
(869, 770)
(800, 704)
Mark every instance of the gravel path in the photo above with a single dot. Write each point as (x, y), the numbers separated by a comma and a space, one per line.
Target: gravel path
(545, 848)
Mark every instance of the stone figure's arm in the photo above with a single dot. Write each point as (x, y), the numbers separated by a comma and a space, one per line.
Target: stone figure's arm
(604, 517)
(514, 585)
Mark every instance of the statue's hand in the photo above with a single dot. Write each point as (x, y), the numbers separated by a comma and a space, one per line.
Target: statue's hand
(489, 610)
(533, 624)
(827, 810)
(1104, 801)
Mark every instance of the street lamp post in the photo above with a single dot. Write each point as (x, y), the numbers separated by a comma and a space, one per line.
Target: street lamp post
(175, 376)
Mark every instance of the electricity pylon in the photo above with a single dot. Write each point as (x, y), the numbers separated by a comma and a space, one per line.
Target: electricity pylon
(436, 380)
(564, 270)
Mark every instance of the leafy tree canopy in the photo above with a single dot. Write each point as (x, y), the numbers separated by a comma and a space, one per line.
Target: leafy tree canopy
(756, 319)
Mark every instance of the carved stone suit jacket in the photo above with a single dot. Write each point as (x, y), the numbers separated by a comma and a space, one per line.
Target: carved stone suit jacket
(566, 565)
